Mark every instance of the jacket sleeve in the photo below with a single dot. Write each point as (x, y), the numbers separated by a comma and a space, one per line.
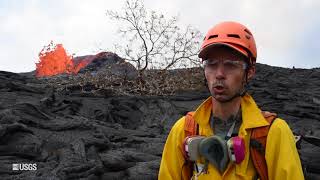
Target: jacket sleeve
(281, 155)
(173, 163)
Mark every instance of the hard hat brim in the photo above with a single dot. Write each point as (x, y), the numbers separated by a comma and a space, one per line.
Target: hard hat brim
(209, 48)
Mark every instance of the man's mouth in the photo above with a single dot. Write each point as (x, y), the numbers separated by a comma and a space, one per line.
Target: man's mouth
(218, 89)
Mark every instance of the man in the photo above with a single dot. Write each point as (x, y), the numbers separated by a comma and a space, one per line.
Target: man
(226, 121)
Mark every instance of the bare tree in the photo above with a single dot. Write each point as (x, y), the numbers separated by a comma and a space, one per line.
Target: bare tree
(154, 41)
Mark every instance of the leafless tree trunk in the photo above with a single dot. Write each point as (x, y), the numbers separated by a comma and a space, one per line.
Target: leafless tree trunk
(155, 41)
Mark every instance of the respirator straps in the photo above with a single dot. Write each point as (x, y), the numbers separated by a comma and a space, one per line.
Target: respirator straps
(229, 134)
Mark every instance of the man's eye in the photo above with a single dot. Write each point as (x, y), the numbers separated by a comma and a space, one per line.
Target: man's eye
(212, 64)
(230, 64)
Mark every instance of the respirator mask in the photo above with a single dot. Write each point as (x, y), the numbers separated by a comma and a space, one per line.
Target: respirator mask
(216, 150)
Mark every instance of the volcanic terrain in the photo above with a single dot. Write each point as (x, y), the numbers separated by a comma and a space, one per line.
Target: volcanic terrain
(107, 123)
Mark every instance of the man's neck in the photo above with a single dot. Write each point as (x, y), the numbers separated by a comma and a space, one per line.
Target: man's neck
(225, 110)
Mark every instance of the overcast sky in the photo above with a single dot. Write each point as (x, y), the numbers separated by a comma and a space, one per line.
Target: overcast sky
(287, 32)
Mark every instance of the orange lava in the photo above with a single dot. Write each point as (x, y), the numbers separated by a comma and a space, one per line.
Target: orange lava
(54, 60)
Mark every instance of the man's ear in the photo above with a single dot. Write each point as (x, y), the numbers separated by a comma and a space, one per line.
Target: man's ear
(251, 72)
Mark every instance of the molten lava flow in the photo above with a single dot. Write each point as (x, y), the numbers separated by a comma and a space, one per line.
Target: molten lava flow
(54, 60)
(83, 63)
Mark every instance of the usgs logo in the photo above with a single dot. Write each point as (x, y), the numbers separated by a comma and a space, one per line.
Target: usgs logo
(24, 167)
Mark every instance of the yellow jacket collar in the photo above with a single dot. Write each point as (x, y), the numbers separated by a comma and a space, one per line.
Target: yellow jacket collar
(251, 114)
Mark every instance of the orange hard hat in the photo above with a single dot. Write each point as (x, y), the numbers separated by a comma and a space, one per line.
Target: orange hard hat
(231, 34)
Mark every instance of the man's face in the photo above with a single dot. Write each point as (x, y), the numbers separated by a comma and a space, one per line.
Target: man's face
(225, 72)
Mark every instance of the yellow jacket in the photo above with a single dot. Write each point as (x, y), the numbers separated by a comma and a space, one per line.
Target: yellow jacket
(281, 154)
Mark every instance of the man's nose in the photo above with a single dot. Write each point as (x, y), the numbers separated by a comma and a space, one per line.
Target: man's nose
(220, 74)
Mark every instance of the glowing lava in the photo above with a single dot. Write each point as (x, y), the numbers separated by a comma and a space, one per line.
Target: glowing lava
(54, 60)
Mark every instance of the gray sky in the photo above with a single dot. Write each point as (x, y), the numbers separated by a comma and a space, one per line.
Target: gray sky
(286, 31)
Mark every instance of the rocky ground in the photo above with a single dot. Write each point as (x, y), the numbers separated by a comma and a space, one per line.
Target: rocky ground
(74, 133)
